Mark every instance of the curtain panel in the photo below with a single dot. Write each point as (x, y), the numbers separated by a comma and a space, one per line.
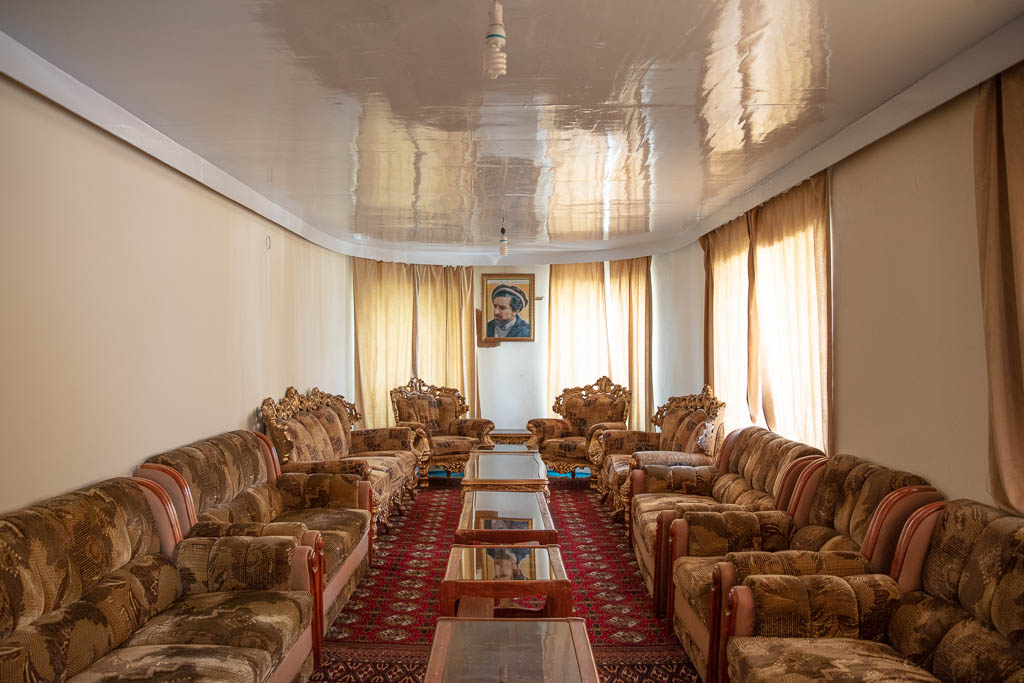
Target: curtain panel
(999, 198)
(768, 321)
(599, 323)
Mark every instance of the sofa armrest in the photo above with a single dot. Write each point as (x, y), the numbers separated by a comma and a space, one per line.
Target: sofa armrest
(477, 428)
(384, 439)
(815, 606)
(597, 428)
(343, 466)
(302, 491)
(542, 428)
(231, 563)
(671, 459)
(215, 529)
(420, 439)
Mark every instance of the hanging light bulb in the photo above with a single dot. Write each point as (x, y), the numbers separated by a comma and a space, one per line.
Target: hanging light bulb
(503, 244)
(495, 59)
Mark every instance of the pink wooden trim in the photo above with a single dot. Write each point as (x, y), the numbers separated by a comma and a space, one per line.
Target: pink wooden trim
(803, 493)
(916, 537)
(165, 502)
(887, 522)
(186, 493)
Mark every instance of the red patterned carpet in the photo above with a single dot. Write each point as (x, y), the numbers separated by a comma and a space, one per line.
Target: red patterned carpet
(385, 631)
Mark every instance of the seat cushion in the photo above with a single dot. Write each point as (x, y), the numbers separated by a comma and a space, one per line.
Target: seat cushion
(193, 663)
(816, 659)
(446, 445)
(271, 621)
(342, 529)
(574, 447)
(646, 504)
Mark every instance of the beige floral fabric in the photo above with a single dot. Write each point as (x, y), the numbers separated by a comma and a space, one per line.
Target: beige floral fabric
(800, 660)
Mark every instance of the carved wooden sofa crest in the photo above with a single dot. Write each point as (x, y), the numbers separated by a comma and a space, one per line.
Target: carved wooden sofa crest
(566, 444)
(437, 413)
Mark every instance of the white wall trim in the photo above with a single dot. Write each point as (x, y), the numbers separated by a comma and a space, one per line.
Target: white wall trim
(993, 54)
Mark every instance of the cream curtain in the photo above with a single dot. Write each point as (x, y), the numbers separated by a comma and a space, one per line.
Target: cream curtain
(577, 331)
(629, 333)
(383, 294)
(726, 294)
(999, 195)
(445, 337)
(790, 320)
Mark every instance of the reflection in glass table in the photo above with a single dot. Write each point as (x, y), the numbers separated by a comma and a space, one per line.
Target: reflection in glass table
(505, 472)
(505, 517)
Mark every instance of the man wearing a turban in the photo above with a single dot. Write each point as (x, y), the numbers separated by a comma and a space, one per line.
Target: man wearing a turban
(508, 301)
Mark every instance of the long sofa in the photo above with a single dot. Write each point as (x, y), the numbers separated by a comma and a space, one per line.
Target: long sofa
(97, 585)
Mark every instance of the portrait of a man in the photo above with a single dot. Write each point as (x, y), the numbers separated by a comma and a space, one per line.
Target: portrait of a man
(511, 315)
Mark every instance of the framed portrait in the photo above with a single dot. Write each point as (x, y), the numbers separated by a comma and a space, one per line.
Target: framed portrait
(508, 307)
(513, 562)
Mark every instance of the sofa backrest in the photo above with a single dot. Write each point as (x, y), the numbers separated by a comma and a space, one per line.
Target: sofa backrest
(602, 401)
(313, 428)
(968, 623)
(435, 407)
(79, 574)
(751, 462)
(228, 477)
(676, 415)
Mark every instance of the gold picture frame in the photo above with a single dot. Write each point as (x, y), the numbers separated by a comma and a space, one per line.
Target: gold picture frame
(508, 308)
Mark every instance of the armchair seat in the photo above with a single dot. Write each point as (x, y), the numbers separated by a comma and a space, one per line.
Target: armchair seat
(452, 445)
(192, 662)
(342, 530)
(814, 659)
(566, 447)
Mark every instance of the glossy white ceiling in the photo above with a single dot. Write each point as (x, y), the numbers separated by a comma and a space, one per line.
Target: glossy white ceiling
(620, 127)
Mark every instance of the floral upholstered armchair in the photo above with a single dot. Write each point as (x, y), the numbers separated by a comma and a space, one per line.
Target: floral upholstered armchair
(437, 413)
(691, 430)
(566, 444)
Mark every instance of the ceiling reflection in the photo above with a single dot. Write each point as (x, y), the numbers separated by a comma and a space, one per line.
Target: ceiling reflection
(617, 123)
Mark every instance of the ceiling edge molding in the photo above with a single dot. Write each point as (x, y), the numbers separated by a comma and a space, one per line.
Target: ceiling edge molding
(987, 57)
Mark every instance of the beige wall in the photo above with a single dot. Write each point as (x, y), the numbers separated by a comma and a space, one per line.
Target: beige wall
(142, 311)
(910, 388)
(677, 287)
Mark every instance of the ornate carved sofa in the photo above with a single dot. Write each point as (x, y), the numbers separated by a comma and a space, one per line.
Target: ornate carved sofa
(437, 413)
(97, 585)
(844, 519)
(756, 473)
(229, 485)
(690, 425)
(953, 607)
(314, 434)
(565, 444)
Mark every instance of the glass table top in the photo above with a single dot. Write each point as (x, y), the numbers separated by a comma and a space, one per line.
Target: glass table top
(504, 563)
(504, 510)
(511, 651)
(506, 466)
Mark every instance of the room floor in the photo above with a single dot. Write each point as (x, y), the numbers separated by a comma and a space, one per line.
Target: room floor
(384, 633)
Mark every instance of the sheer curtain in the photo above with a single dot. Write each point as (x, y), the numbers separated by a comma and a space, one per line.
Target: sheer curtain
(726, 252)
(577, 332)
(790, 320)
(445, 352)
(383, 296)
(999, 196)
(629, 333)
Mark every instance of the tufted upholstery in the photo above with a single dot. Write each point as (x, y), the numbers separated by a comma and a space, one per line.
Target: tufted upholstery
(438, 413)
(314, 433)
(86, 592)
(234, 492)
(689, 424)
(567, 444)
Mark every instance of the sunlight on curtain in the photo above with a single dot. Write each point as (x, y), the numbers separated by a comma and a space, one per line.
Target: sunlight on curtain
(577, 332)
(791, 313)
(726, 250)
(445, 336)
(629, 334)
(999, 195)
(383, 295)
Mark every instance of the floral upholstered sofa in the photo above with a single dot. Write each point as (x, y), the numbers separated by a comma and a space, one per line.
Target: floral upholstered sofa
(844, 519)
(953, 609)
(437, 413)
(690, 426)
(566, 444)
(97, 585)
(314, 434)
(229, 485)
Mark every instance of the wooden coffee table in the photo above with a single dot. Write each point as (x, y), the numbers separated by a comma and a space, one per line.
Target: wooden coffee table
(505, 517)
(510, 469)
(511, 650)
(506, 571)
(509, 435)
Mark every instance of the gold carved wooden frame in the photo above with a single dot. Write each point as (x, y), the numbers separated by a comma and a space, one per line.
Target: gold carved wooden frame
(604, 385)
(704, 400)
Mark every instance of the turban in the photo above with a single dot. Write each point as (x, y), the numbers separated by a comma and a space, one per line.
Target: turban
(514, 293)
